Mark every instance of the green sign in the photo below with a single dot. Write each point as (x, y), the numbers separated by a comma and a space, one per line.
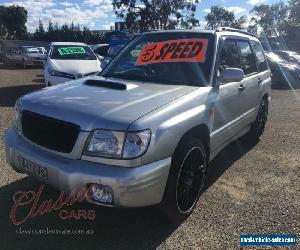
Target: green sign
(71, 50)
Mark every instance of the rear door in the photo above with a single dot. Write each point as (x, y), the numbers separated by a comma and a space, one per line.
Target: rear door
(249, 86)
(262, 65)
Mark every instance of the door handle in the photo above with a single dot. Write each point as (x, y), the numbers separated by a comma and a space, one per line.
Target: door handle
(241, 87)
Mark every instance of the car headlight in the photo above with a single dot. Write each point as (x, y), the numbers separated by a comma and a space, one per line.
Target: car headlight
(105, 143)
(18, 116)
(136, 143)
(115, 144)
(60, 74)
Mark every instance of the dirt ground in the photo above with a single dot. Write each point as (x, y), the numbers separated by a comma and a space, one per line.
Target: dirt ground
(251, 189)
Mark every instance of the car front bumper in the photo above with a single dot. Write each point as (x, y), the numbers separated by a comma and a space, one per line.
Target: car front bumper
(132, 187)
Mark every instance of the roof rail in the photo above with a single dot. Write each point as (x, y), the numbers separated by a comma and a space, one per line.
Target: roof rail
(234, 30)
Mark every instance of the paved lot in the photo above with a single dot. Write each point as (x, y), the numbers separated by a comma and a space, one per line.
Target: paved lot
(252, 189)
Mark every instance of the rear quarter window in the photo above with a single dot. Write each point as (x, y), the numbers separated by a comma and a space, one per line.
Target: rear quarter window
(260, 56)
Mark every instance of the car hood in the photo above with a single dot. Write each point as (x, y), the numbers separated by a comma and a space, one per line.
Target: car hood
(94, 107)
(76, 67)
(280, 59)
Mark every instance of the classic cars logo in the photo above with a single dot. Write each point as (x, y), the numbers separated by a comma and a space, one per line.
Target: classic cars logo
(30, 202)
(182, 50)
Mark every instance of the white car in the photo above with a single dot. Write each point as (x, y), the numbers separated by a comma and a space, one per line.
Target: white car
(68, 61)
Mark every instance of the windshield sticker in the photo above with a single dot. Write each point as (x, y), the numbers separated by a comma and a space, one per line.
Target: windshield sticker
(183, 50)
(71, 50)
(135, 53)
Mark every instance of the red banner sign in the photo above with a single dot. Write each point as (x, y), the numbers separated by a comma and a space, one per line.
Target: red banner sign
(183, 50)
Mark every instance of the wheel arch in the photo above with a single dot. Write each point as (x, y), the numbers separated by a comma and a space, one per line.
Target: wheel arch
(201, 132)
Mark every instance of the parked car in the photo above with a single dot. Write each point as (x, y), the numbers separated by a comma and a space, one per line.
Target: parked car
(143, 131)
(24, 55)
(69, 61)
(284, 64)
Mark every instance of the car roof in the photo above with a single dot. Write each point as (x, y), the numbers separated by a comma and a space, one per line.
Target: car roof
(68, 43)
(231, 32)
(179, 31)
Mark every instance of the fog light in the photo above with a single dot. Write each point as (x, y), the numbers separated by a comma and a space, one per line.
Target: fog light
(100, 193)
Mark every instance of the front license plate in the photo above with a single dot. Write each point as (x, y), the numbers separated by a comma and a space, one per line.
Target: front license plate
(33, 168)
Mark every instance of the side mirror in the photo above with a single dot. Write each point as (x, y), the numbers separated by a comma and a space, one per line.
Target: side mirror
(232, 75)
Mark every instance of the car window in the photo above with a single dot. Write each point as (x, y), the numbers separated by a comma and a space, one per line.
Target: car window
(114, 50)
(102, 50)
(260, 56)
(247, 57)
(229, 57)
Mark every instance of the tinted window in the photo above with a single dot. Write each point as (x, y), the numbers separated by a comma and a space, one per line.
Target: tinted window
(247, 57)
(260, 56)
(114, 50)
(229, 57)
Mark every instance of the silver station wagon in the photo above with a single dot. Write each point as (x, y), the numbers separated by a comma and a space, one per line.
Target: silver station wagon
(144, 130)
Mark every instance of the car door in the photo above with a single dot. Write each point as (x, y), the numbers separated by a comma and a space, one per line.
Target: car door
(226, 101)
(249, 94)
(262, 66)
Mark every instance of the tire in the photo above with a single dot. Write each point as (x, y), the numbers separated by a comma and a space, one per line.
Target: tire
(258, 127)
(186, 179)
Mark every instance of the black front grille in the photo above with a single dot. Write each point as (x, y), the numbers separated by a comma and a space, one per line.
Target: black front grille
(48, 132)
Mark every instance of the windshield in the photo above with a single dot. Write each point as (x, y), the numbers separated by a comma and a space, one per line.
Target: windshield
(30, 50)
(72, 52)
(172, 58)
(114, 50)
(42, 50)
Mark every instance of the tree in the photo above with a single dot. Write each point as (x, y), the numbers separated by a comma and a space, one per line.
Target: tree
(156, 14)
(50, 32)
(240, 23)
(271, 17)
(294, 8)
(12, 22)
(219, 17)
(39, 34)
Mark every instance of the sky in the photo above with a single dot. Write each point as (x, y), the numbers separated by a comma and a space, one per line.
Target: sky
(98, 14)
